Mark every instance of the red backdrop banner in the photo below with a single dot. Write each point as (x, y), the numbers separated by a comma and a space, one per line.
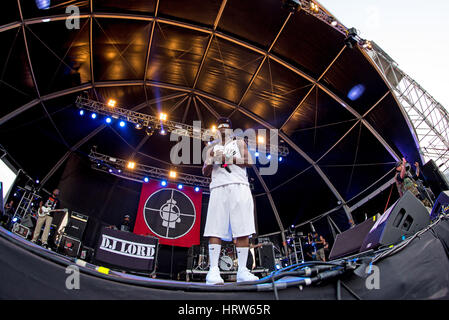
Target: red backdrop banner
(171, 214)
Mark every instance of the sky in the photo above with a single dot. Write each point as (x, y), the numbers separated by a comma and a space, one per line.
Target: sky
(414, 33)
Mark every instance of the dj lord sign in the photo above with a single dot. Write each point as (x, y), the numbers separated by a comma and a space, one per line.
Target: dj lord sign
(170, 214)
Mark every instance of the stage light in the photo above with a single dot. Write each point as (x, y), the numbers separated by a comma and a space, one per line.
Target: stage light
(260, 139)
(356, 92)
(163, 116)
(162, 132)
(280, 159)
(14, 219)
(278, 267)
(197, 189)
(314, 7)
(108, 120)
(163, 183)
(131, 165)
(94, 115)
(81, 112)
(368, 45)
(256, 154)
(149, 131)
(110, 170)
(122, 124)
(180, 186)
(214, 128)
(37, 181)
(334, 23)
(43, 4)
(172, 174)
(112, 103)
(269, 156)
(119, 171)
(138, 126)
(146, 179)
(351, 39)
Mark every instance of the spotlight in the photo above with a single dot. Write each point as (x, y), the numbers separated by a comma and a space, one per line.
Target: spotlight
(356, 92)
(260, 139)
(14, 220)
(94, 115)
(37, 181)
(149, 131)
(314, 7)
(256, 154)
(180, 186)
(367, 45)
(197, 189)
(43, 4)
(163, 183)
(81, 112)
(108, 120)
(172, 174)
(119, 171)
(112, 103)
(269, 156)
(131, 165)
(163, 116)
(280, 159)
(146, 179)
(351, 39)
(122, 124)
(162, 132)
(110, 170)
(334, 23)
(138, 126)
(213, 128)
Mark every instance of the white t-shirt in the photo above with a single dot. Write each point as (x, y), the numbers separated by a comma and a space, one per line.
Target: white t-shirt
(220, 176)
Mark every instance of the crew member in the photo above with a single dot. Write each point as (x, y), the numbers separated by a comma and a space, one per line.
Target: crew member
(318, 243)
(45, 216)
(231, 210)
(126, 224)
(406, 181)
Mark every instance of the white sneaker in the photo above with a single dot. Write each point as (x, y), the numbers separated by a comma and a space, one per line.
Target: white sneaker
(213, 276)
(245, 275)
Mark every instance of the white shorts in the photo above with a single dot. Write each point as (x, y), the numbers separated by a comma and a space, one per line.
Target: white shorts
(230, 213)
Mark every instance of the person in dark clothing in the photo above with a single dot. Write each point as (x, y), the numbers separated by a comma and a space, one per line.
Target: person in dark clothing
(126, 224)
(318, 243)
(408, 181)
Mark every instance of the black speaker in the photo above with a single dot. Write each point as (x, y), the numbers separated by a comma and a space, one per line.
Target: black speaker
(350, 241)
(404, 218)
(441, 205)
(435, 178)
(76, 225)
(69, 246)
(266, 257)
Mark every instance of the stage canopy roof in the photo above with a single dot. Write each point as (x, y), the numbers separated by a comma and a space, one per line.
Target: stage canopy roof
(253, 61)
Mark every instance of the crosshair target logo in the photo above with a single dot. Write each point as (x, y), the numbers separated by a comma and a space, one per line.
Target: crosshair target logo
(169, 213)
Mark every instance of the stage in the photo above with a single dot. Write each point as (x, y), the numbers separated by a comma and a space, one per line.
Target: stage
(419, 270)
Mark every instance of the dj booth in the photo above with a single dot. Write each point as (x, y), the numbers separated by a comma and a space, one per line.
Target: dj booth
(127, 251)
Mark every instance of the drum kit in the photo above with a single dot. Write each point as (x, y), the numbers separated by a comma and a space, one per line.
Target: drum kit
(227, 261)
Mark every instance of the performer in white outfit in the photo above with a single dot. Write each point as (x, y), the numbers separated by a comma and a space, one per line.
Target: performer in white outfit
(231, 209)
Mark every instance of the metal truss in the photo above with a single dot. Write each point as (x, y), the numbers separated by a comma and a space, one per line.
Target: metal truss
(428, 119)
(154, 123)
(119, 167)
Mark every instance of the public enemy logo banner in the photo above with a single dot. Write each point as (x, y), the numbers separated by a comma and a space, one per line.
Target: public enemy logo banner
(170, 214)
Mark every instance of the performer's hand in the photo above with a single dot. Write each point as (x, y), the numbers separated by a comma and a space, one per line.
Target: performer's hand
(417, 164)
(404, 161)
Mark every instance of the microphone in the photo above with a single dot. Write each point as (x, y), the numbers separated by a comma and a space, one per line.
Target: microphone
(226, 167)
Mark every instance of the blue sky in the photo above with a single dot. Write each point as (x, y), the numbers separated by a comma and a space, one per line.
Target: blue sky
(414, 33)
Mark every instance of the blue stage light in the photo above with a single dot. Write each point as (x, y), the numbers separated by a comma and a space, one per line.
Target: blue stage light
(81, 112)
(163, 183)
(356, 92)
(146, 179)
(197, 189)
(43, 4)
(37, 181)
(180, 186)
(256, 154)
(15, 219)
(269, 156)
(280, 159)
(108, 120)
(122, 124)
(94, 115)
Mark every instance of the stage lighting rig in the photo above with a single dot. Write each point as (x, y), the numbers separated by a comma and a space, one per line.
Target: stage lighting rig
(162, 124)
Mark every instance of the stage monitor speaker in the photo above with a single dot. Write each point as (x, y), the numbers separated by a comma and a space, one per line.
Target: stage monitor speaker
(404, 218)
(435, 178)
(69, 246)
(28, 221)
(76, 225)
(441, 205)
(267, 257)
(350, 241)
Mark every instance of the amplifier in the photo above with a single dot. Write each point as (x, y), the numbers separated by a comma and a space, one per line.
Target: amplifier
(76, 225)
(69, 246)
(87, 254)
(21, 230)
